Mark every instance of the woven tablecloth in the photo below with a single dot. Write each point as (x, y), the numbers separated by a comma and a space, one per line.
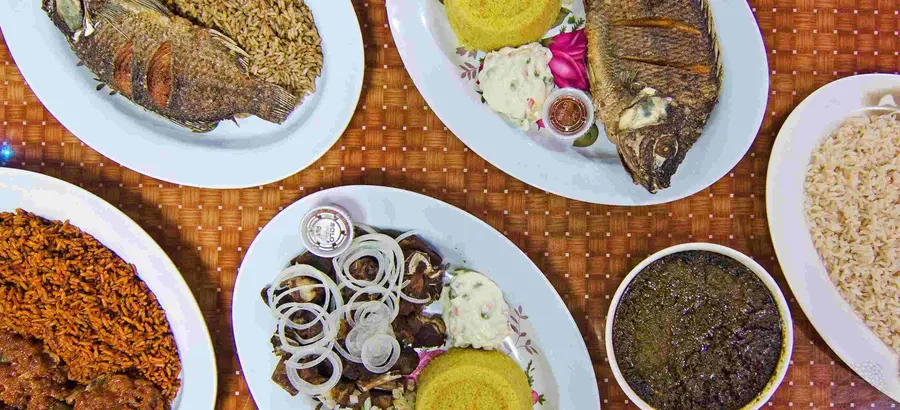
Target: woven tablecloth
(394, 139)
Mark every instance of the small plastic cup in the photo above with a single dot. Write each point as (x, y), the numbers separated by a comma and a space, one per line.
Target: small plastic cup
(568, 113)
(327, 231)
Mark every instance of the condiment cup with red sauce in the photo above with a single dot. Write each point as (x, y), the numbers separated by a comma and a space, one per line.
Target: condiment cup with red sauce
(568, 113)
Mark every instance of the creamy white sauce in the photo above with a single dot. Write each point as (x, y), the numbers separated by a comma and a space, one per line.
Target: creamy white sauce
(516, 82)
(474, 311)
(647, 110)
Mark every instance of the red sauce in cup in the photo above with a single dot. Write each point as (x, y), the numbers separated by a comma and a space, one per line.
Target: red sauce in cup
(568, 115)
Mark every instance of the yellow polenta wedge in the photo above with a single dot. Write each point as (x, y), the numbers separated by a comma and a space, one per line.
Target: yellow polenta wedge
(473, 379)
(488, 25)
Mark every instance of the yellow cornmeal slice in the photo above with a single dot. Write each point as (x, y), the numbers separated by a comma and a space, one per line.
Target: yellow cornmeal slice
(488, 25)
(473, 379)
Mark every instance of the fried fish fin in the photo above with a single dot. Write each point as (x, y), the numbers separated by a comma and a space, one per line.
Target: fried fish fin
(195, 126)
(274, 103)
(112, 13)
(232, 47)
(149, 5)
(711, 28)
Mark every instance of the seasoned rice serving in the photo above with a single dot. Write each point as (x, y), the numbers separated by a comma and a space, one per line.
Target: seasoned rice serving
(853, 211)
(63, 287)
(279, 35)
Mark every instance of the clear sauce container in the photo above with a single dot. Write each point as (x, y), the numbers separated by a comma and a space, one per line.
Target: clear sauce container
(568, 113)
(326, 231)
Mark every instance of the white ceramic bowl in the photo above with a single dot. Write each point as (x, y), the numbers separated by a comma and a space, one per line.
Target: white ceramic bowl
(787, 323)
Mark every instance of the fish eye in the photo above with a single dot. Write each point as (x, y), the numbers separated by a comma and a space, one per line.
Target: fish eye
(666, 146)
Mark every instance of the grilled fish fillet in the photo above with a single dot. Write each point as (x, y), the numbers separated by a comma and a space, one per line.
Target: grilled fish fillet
(190, 75)
(655, 76)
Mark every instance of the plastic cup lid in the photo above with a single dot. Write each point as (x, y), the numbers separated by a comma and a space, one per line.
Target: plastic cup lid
(326, 231)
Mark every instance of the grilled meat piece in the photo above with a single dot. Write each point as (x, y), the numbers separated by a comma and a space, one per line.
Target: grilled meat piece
(385, 381)
(365, 268)
(311, 295)
(346, 394)
(415, 243)
(322, 264)
(419, 330)
(382, 400)
(119, 392)
(407, 362)
(192, 76)
(655, 75)
(279, 376)
(30, 378)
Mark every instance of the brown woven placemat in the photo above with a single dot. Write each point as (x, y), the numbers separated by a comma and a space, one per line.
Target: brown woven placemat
(394, 139)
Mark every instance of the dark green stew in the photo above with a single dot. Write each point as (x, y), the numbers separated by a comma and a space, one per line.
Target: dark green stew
(697, 330)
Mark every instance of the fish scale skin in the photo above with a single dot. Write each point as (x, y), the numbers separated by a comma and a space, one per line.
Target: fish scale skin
(659, 44)
(681, 65)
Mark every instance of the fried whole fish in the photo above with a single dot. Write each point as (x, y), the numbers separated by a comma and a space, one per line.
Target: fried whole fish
(655, 76)
(193, 76)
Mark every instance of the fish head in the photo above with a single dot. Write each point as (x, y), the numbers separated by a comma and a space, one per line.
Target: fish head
(649, 139)
(67, 15)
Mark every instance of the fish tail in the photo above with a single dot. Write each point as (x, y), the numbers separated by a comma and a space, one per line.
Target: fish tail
(274, 103)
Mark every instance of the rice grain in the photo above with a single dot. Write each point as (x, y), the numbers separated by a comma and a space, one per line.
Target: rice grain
(63, 287)
(853, 212)
(279, 35)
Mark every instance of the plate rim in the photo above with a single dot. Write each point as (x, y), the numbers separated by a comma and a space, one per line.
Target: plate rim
(780, 245)
(539, 179)
(359, 190)
(104, 142)
(97, 203)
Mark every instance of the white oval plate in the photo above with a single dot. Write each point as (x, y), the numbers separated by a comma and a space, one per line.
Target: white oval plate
(813, 120)
(59, 200)
(787, 322)
(562, 367)
(428, 45)
(231, 156)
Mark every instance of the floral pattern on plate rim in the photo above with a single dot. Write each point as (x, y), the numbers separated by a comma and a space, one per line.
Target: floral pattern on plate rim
(516, 319)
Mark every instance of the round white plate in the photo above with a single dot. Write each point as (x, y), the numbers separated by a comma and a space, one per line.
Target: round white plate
(255, 153)
(428, 46)
(561, 366)
(812, 121)
(59, 200)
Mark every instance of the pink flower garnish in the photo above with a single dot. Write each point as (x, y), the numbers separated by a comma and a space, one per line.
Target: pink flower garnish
(534, 397)
(424, 359)
(567, 65)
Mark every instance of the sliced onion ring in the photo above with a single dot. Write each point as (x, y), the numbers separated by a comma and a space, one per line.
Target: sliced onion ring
(380, 353)
(371, 340)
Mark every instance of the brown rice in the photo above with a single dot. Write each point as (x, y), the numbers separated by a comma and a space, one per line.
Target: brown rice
(63, 287)
(853, 210)
(280, 36)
